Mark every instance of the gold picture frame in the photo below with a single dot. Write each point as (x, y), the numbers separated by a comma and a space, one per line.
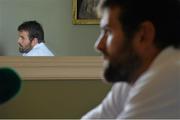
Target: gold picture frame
(86, 20)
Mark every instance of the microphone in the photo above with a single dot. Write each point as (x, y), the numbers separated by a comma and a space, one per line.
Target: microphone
(10, 84)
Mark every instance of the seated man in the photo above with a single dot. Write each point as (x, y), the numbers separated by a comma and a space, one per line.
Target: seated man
(140, 43)
(31, 40)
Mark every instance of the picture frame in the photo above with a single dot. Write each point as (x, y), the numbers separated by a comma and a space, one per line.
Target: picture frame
(84, 15)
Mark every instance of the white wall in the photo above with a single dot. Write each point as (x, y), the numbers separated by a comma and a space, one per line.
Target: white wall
(63, 38)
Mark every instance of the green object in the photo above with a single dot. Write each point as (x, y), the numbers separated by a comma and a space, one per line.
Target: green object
(10, 84)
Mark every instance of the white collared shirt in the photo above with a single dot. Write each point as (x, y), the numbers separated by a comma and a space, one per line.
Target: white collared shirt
(156, 94)
(39, 50)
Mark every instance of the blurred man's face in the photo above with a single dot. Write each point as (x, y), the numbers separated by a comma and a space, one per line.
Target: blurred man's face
(120, 56)
(25, 45)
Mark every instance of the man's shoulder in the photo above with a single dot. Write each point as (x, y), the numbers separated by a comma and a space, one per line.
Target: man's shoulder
(40, 50)
(43, 50)
(163, 74)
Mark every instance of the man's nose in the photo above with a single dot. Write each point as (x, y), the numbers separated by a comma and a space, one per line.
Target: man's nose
(100, 44)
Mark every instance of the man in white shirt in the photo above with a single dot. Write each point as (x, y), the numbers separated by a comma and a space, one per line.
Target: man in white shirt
(140, 41)
(31, 40)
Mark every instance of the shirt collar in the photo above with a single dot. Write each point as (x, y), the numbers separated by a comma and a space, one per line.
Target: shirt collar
(165, 56)
(38, 45)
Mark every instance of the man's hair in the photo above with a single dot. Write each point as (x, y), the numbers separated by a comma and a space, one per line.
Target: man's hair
(35, 30)
(164, 15)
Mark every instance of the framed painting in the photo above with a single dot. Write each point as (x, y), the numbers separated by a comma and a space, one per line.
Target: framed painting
(84, 12)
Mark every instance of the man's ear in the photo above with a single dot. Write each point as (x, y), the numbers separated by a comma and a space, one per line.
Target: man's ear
(145, 36)
(34, 42)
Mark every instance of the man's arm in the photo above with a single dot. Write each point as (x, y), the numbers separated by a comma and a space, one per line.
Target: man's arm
(112, 105)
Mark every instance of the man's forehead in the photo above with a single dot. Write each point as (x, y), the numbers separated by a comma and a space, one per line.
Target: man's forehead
(105, 18)
(108, 15)
(23, 32)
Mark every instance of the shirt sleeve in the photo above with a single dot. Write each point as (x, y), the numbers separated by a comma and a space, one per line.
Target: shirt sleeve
(112, 105)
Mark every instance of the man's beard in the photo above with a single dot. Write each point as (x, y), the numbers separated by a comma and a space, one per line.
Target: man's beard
(123, 69)
(25, 49)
